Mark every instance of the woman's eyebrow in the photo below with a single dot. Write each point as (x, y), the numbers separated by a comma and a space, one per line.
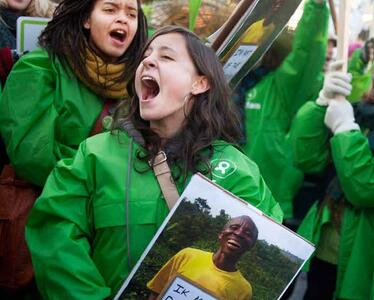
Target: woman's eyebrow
(111, 2)
(167, 48)
(131, 7)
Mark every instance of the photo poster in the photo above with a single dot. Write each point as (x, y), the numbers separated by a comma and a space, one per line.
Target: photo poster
(28, 32)
(252, 36)
(194, 228)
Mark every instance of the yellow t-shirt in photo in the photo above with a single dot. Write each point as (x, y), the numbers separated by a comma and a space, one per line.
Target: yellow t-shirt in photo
(197, 266)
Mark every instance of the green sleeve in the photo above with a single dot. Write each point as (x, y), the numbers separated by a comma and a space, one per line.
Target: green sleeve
(300, 76)
(361, 76)
(58, 234)
(354, 164)
(244, 180)
(309, 137)
(28, 115)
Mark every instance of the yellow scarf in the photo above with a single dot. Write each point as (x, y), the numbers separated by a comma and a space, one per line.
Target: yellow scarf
(103, 76)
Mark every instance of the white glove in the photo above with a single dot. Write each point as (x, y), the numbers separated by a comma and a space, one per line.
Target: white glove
(336, 82)
(339, 116)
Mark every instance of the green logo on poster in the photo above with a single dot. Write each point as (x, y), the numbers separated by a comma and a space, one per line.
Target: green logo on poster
(223, 168)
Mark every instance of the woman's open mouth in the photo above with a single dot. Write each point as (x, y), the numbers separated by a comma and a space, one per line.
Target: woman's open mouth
(118, 35)
(149, 88)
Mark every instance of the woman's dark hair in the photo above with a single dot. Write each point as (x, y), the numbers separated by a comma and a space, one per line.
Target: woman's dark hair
(211, 116)
(66, 38)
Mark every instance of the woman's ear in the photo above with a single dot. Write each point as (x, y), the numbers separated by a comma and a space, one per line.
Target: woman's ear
(87, 24)
(200, 85)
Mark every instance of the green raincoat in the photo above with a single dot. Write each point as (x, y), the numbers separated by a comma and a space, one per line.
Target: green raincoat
(273, 102)
(361, 76)
(354, 165)
(46, 112)
(97, 214)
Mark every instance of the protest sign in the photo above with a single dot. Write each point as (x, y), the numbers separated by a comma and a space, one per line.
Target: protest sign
(206, 222)
(28, 32)
(181, 288)
(249, 33)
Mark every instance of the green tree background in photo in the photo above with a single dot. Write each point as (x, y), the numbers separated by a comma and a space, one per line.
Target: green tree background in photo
(267, 267)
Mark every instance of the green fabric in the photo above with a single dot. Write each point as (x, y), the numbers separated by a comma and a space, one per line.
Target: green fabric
(361, 76)
(356, 256)
(354, 165)
(328, 246)
(309, 137)
(80, 240)
(193, 6)
(273, 102)
(311, 226)
(45, 113)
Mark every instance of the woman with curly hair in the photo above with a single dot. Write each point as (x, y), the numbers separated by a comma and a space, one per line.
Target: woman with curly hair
(54, 94)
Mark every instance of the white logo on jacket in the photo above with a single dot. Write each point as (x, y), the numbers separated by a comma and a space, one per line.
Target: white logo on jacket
(249, 97)
(223, 168)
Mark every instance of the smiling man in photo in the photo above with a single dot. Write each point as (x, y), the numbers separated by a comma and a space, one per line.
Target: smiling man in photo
(215, 272)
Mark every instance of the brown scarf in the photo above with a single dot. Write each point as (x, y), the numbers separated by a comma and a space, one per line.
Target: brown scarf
(103, 76)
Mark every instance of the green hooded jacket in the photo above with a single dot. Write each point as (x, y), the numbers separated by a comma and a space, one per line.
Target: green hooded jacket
(273, 102)
(354, 163)
(46, 112)
(361, 76)
(97, 214)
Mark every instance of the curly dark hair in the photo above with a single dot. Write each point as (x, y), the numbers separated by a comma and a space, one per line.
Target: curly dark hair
(212, 115)
(66, 38)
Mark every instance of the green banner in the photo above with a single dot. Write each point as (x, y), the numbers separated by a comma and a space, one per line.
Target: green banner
(194, 6)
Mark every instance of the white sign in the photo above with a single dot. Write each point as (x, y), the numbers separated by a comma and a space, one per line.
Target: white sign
(181, 289)
(238, 59)
(28, 32)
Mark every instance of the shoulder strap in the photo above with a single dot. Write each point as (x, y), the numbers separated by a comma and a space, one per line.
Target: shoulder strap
(159, 166)
(98, 126)
(165, 179)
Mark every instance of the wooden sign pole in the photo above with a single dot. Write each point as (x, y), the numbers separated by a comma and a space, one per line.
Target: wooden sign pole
(333, 15)
(343, 32)
(231, 22)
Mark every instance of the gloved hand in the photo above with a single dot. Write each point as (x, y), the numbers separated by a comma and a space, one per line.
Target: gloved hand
(367, 51)
(339, 116)
(336, 82)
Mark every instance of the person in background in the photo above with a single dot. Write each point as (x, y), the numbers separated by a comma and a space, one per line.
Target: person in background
(279, 88)
(331, 51)
(94, 218)
(10, 10)
(327, 141)
(360, 41)
(54, 94)
(361, 67)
